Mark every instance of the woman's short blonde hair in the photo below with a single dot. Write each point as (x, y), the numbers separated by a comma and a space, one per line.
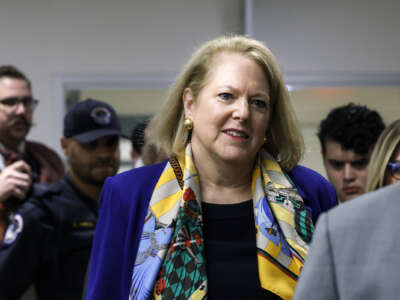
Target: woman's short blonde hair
(284, 140)
(385, 147)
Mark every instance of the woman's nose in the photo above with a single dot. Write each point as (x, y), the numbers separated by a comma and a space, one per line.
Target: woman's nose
(241, 109)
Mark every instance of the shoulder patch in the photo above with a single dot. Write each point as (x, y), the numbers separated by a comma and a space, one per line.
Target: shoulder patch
(15, 227)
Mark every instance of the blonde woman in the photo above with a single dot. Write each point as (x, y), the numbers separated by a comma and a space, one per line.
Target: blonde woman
(384, 166)
(230, 214)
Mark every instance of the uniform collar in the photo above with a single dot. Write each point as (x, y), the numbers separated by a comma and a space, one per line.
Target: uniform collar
(92, 203)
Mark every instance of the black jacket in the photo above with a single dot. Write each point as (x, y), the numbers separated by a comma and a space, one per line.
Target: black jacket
(48, 244)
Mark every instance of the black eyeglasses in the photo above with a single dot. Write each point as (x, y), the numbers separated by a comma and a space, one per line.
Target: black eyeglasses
(12, 102)
(395, 169)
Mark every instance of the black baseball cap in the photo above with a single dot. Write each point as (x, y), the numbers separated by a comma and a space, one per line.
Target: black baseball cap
(90, 120)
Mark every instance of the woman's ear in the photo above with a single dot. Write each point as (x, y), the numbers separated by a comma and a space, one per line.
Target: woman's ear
(188, 102)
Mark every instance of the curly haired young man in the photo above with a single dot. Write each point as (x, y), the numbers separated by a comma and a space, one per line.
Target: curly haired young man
(347, 136)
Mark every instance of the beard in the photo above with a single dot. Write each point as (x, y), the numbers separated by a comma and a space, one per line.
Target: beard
(94, 173)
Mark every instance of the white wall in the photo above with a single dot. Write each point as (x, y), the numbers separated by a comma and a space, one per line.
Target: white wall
(49, 38)
(330, 36)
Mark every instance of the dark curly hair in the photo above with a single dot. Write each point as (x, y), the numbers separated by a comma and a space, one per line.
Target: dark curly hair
(354, 127)
(12, 72)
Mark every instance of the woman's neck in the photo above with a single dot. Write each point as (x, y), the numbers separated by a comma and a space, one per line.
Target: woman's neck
(223, 182)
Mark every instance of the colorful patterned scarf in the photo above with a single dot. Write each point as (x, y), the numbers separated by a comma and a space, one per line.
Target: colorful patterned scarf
(170, 263)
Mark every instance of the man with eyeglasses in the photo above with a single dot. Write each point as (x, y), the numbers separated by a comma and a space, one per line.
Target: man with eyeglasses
(49, 241)
(22, 162)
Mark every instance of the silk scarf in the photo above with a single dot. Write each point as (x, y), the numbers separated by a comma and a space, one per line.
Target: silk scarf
(170, 262)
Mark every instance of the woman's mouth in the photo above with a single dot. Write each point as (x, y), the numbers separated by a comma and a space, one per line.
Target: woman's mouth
(237, 134)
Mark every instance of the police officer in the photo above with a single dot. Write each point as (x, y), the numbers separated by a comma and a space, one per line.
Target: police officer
(49, 240)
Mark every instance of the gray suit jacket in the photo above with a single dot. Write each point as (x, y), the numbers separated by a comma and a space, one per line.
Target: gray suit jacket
(355, 252)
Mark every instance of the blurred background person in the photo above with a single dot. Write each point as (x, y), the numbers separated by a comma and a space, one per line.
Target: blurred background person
(384, 168)
(144, 150)
(137, 142)
(152, 153)
(223, 218)
(49, 240)
(347, 136)
(22, 162)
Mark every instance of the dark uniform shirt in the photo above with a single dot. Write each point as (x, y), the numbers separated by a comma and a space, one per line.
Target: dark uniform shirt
(48, 244)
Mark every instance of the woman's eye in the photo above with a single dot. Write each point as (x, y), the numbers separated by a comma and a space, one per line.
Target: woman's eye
(225, 96)
(259, 103)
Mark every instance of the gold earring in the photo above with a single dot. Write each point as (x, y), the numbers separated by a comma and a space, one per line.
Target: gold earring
(265, 139)
(188, 124)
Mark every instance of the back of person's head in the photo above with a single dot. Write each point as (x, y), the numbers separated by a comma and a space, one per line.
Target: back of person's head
(12, 72)
(138, 137)
(354, 127)
(284, 138)
(385, 148)
(152, 154)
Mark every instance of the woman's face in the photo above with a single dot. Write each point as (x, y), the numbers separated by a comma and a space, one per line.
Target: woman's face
(389, 178)
(231, 113)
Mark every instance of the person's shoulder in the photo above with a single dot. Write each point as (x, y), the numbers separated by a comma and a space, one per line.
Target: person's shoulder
(48, 191)
(379, 203)
(309, 178)
(31, 209)
(316, 191)
(56, 198)
(50, 163)
(128, 193)
(45, 196)
(35, 145)
(302, 172)
(138, 177)
(133, 185)
(32, 213)
(41, 151)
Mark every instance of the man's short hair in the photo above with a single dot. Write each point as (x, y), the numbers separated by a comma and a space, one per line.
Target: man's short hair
(354, 127)
(12, 72)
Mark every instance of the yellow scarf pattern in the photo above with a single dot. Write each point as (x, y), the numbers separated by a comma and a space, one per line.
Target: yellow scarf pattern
(283, 227)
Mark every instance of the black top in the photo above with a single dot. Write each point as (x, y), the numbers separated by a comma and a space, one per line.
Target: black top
(48, 244)
(231, 254)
